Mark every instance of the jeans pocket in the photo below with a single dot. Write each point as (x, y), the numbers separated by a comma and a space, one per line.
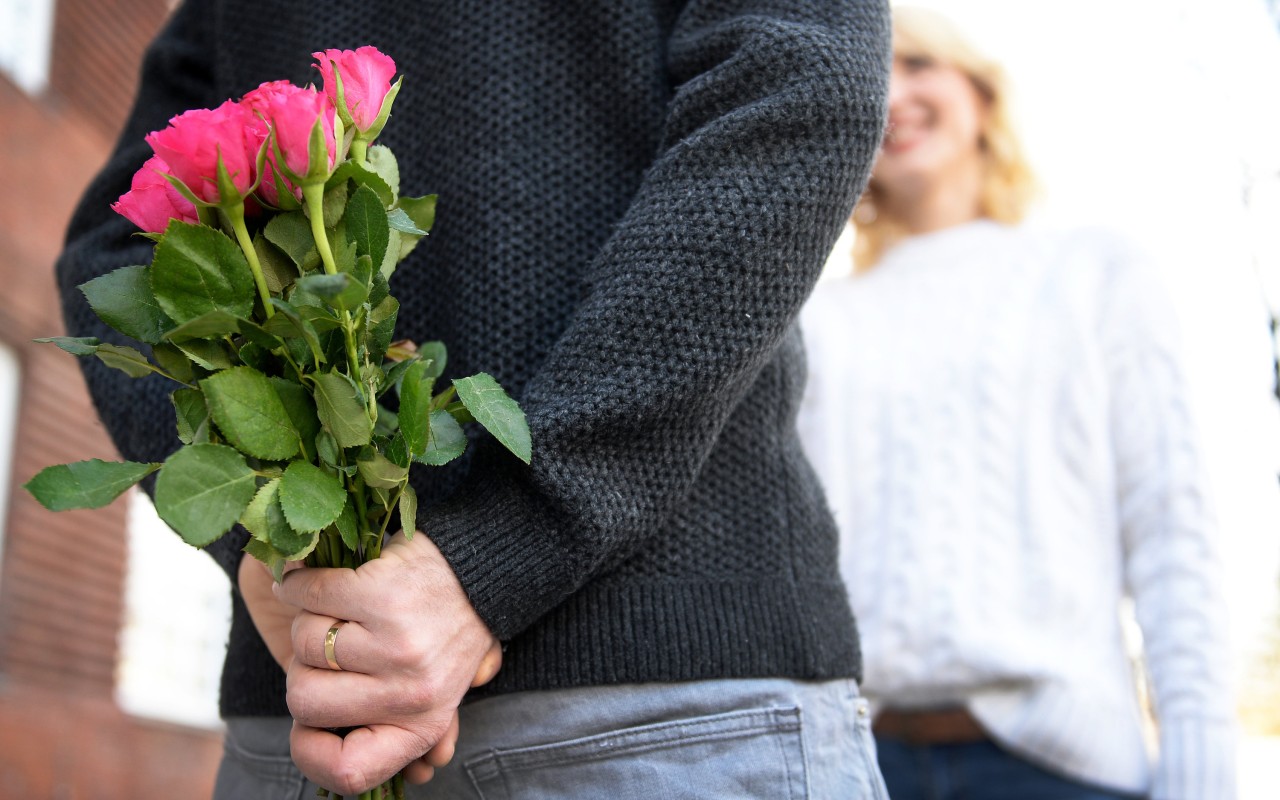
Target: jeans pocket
(741, 754)
(246, 773)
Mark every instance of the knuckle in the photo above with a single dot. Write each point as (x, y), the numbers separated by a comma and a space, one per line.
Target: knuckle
(349, 779)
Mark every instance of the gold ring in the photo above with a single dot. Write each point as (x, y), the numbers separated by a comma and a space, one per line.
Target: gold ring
(330, 639)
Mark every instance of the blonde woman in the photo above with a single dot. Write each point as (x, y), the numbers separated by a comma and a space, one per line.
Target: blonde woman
(1000, 419)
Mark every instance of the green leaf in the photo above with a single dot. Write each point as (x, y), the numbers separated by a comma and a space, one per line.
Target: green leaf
(344, 249)
(436, 353)
(193, 416)
(291, 232)
(125, 359)
(397, 451)
(392, 257)
(415, 407)
(327, 449)
(346, 525)
(211, 355)
(266, 520)
(174, 361)
(215, 324)
(364, 178)
(497, 412)
(388, 422)
(383, 162)
(279, 270)
(268, 555)
(341, 411)
(367, 224)
(290, 324)
(197, 270)
(380, 472)
(85, 484)
(202, 490)
(343, 291)
(399, 220)
(422, 210)
(382, 326)
(311, 498)
(123, 299)
(75, 345)
(258, 335)
(408, 511)
(302, 412)
(247, 410)
(446, 442)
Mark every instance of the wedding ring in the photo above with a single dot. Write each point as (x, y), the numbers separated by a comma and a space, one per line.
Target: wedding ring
(330, 639)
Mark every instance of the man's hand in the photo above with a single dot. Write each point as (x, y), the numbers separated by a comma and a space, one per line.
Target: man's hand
(411, 647)
(272, 618)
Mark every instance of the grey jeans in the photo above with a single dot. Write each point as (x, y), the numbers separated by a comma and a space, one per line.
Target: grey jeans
(765, 738)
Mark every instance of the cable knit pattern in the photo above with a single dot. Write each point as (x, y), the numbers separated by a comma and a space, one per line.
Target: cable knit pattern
(1003, 428)
(635, 199)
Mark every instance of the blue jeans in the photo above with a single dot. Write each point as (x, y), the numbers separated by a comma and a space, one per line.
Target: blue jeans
(759, 738)
(977, 771)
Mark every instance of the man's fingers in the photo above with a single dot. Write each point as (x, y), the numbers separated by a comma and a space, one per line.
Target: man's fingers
(335, 592)
(349, 765)
(419, 772)
(442, 753)
(489, 665)
(353, 648)
(323, 698)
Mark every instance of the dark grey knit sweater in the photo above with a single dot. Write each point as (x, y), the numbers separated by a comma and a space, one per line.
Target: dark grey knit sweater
(636, 196)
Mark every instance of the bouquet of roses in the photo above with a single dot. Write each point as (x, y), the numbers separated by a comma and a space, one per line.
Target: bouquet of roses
(277, 224)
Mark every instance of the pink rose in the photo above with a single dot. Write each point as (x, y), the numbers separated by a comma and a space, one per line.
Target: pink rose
(152, 201)
(292, 113)
(194, 140)
(366, 80)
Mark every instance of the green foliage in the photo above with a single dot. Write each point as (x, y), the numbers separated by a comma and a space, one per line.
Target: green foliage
(85, 484)
(248, 411)
(280, 352)
(490, 405)
(415, 406)
(123, 299)
(202, 490)
(311, 498)
(197, 270)
(341, 411)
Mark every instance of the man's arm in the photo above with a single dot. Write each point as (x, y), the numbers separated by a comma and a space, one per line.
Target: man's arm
(777, 112)
(776, 115)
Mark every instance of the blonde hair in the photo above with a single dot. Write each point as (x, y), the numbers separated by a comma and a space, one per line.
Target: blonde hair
(1008, 185)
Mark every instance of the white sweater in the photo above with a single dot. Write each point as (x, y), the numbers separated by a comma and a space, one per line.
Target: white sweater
(1002, 425)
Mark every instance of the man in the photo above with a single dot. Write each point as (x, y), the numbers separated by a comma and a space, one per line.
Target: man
(635, 199)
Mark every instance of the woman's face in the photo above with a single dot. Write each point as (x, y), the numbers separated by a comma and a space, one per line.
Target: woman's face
(936, 118)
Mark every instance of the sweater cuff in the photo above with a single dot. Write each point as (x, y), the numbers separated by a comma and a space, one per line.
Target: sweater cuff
(505, 549)
(1197, 760)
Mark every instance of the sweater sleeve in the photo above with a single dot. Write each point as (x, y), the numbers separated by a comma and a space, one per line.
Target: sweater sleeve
(1172, 566)
(776, 113)
(176, 76)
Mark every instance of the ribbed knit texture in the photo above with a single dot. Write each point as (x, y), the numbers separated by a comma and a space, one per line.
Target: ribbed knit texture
(1002, 424)
(635, 199)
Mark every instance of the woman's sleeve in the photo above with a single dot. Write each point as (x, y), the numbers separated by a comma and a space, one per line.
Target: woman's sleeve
(1172, 564)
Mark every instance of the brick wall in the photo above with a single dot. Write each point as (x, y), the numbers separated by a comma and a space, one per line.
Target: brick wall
(62, 575)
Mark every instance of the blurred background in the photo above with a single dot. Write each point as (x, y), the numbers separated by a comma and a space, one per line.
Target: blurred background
(1157, 117)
